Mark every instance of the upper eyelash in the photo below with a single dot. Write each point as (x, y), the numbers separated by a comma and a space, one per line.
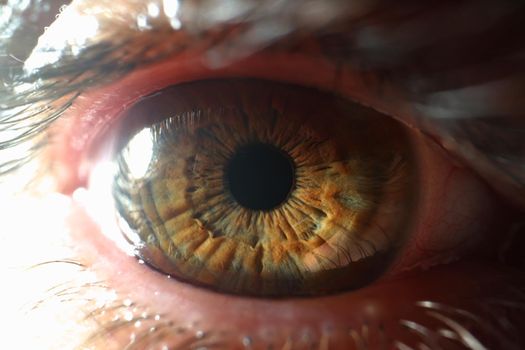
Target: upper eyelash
(67, 79)
(111, 58)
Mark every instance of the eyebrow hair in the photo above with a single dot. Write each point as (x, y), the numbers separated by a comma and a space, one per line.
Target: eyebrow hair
(404, 43)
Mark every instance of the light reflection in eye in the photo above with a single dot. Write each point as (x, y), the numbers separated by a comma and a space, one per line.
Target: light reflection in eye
(139, 153)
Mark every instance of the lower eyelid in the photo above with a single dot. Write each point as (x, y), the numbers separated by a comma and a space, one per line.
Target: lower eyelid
(381, 308)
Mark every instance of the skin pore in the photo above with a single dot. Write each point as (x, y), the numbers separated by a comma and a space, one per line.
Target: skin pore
(456, 88)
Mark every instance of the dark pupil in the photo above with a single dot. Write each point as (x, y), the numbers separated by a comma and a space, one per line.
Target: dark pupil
(260, 176)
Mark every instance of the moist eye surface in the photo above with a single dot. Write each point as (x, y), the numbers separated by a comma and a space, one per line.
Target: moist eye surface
(265, 189)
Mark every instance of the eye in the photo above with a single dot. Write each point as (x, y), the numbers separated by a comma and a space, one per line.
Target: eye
(265, 189)
(423, 273)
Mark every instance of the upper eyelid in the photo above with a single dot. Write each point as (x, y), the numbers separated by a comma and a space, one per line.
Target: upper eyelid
(111, 49)
(33, 108)
(98, 59)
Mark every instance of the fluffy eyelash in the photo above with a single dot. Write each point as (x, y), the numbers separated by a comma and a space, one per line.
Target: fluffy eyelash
(31, 101)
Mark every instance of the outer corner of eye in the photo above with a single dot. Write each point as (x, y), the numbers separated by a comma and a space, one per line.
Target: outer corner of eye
(263, 189)
(458, 215)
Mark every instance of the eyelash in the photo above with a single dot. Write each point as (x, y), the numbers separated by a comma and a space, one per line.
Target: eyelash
(113, 316)
(24, 97)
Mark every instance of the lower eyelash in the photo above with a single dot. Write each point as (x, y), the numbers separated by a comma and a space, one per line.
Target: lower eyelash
(431, 324)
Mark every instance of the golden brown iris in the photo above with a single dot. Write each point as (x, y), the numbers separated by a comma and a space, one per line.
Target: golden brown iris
(266, 189)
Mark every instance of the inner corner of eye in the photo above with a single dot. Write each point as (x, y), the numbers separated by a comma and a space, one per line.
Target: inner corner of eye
(263, 189)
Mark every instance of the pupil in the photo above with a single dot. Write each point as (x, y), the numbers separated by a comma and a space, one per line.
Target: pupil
(260, 176)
